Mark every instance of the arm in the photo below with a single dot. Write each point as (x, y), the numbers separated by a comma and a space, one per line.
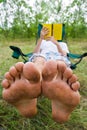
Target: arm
(44, 32)
(37, 48)
(64, 53)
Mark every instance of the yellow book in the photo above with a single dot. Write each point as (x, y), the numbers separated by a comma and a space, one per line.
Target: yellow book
(54, 30)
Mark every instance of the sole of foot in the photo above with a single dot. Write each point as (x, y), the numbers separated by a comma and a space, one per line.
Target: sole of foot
(60, 85)
(21, 87)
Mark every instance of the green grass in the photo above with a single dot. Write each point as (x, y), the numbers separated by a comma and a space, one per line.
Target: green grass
(10, 119)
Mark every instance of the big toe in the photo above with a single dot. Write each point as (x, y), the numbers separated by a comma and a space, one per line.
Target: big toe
(49, 70)
(31, 73)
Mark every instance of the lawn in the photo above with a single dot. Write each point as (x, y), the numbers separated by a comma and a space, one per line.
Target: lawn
(10, 119)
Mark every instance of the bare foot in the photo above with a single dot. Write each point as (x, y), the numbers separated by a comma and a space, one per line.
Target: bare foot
(61, 86)
(21, 87)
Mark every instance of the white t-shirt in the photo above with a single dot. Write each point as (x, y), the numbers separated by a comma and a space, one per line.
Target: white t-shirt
(48, 46)
(49, 51)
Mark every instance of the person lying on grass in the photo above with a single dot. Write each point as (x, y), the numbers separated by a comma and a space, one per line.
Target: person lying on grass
(47, 73)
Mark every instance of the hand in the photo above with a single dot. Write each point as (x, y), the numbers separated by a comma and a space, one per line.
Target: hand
(52, 39)
(44, 32)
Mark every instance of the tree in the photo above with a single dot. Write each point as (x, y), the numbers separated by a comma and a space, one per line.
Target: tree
(22, 18)
(76, 18)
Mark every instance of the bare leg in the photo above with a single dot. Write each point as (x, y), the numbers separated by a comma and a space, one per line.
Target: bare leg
(22, 86)
(61, 86)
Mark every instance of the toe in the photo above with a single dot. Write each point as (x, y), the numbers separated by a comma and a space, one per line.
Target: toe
(67, 74)
(13, 71)
(61, 66)
(8, 76)
(72, 79)
(49, 70)
(19, 66)
(5, 83)
(30, 72)
(75, 86)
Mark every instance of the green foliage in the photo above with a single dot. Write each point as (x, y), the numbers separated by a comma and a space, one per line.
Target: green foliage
(76, 31)
(2, 1)
(23, 31)
(27, 18)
